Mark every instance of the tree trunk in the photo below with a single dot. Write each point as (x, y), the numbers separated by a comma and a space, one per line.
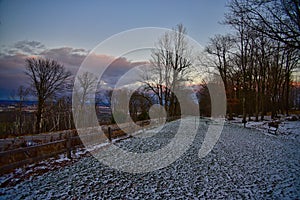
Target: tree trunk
(38, 121)
(257, 103)
(287, 77)
(38, 124)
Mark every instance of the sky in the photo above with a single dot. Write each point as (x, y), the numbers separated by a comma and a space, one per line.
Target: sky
(67, 30)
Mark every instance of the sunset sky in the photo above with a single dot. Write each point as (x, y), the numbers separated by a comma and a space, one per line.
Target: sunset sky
(67, 30)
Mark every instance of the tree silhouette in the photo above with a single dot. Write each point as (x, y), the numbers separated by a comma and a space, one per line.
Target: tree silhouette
(171, 64)
(47, 77)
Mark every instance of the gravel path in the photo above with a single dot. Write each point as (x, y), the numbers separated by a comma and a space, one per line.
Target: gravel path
(244, 164)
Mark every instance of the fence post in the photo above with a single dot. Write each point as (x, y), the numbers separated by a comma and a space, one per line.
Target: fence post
(68, 146)
(109, 134)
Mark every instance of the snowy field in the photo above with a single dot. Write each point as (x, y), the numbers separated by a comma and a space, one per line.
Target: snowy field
(246, 163)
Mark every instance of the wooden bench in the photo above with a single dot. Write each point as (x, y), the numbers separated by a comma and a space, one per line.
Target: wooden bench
(273, 126)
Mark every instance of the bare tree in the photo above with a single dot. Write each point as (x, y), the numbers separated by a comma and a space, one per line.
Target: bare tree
(220, 46)
(278, 19)
(47, 77)
(170, 65)
(86, 85)
(267, 51)
(82, 93)
(236, 19)
(20, 96)
(60, 114)
(291, 62)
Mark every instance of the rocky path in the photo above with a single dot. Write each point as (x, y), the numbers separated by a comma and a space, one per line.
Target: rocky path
(244, 164)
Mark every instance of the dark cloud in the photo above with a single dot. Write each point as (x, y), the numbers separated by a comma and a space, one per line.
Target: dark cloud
(12, 63)
(118, 68)
(12, 68)
(71, 58)
(114, 67)
(29, 47)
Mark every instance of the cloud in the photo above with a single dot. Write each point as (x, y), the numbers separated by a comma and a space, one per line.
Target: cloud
(110, 67)
(12, 68)
(24, 47)
(29, 47)
(71, 58)
(11, 75)
(117, 69)
(12, 63)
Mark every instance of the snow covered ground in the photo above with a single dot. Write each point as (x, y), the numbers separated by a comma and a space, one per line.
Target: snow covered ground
(291, 128)
(245, 163)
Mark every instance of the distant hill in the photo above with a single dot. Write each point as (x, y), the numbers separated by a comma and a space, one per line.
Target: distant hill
(14, 102)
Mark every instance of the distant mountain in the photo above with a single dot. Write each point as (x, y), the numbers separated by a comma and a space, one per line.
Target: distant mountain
(14, 102)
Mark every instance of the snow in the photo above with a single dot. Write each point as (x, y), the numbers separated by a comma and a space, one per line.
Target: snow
(62, 158)
(291, 128)
(246, 163)
(41, 167)
(92, 148)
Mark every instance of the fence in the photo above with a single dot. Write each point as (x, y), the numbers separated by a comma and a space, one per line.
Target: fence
(63, 142)
(18, 157)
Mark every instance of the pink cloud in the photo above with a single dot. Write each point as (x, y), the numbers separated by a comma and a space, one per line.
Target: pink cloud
(12, 65)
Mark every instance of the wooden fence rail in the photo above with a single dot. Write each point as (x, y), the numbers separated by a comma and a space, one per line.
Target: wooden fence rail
(14, 158)
(11, 159)
(19, 157)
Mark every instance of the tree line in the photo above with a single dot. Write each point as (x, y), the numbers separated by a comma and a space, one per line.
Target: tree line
(256, 61)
